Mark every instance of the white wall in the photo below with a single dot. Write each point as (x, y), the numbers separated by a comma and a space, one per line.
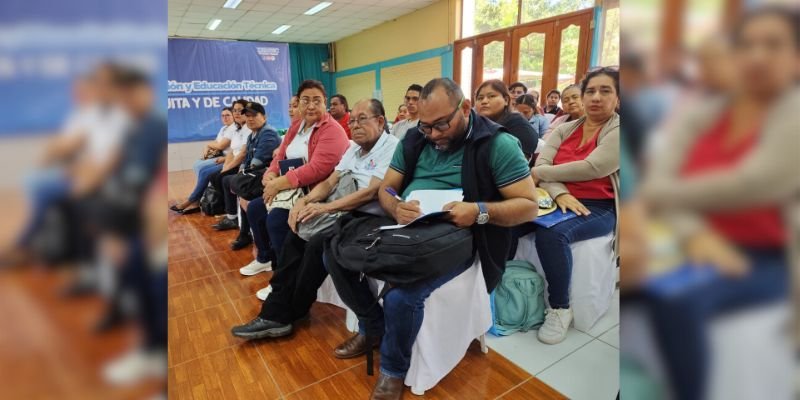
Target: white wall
(181, 156)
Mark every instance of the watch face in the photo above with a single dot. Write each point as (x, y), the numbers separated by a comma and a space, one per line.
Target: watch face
(483, 218)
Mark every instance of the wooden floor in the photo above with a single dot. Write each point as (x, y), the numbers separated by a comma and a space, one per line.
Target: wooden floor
(207, 296)
(47, 347)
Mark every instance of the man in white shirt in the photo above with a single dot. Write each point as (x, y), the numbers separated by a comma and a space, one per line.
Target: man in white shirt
(295, 284)
(412, 98)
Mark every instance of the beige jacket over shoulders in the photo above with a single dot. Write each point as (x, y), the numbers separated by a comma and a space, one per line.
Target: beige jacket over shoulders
(769, 174)
(602, 162)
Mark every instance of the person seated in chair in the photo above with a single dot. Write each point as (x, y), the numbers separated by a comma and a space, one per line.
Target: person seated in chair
(259, 148)
(497, 195)
(579, 168)
(294, 285)
(213, 158)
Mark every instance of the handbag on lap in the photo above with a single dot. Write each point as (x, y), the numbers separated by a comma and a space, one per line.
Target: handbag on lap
(247, 184)
(347, 185)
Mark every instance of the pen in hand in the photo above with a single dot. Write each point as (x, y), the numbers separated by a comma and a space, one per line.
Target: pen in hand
(391, 191)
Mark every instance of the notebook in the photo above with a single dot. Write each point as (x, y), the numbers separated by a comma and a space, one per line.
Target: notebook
(431, 203)
(290, 164)
(554, 218)
(680, 279)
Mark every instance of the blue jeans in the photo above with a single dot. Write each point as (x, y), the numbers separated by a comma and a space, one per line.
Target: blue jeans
(44, 188)
(203, 169)
(404, 307)
(269, 230)
(681, 322)
(552, 246)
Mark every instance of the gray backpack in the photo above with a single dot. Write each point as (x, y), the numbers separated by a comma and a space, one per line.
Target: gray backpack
(518, 300)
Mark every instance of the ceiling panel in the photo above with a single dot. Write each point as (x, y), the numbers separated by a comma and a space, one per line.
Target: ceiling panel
(256, 19)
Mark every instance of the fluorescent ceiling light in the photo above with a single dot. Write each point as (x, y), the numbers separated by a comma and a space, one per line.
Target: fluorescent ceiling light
(281, 29)
(317, 8)
(231, 4)
(213, 24)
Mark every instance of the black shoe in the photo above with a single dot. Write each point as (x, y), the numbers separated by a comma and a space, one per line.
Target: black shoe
(226, 224)
(241, 242)
(261, 328)
(187, 211)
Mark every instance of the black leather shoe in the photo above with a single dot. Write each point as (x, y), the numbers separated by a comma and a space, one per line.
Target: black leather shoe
(226, 224)
(387, 388)
(261, 328)
(241, 242)
(354, 347)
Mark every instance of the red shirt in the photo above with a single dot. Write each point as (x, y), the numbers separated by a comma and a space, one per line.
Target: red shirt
(755, 227)
(571, 150)
(345, 123)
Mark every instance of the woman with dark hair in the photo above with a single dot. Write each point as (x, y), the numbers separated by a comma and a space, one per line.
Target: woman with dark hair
(573, 107)
(729, 181)
(526, 105)
(493, 101)
(579, 168)
(237, 154)
(317, 139)
(211, 162)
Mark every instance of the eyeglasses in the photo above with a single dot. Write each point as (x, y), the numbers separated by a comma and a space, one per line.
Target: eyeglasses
(316, 100)
(235, 111)
(361, 120)
(612, 68)
(442, 125)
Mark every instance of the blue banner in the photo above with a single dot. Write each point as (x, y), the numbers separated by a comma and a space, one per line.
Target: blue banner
(207, 75)
(46, 45)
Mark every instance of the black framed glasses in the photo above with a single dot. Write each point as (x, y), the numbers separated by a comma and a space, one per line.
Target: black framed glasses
(442, 125)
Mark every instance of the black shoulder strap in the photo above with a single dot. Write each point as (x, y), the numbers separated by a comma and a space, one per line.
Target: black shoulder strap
(412, 143)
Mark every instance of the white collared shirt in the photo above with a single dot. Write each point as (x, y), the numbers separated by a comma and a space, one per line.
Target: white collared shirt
(399, 129)
(298, 147)
(373, 164)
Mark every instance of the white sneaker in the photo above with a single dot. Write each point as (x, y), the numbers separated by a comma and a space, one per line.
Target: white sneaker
(263, 293)
(556, 324)
(255, 267)
(135, 366)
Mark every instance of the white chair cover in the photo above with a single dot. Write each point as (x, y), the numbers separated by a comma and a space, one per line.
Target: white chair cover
(593, 276)
(455, 314)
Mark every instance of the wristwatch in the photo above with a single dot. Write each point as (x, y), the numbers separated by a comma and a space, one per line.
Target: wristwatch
(483, 214)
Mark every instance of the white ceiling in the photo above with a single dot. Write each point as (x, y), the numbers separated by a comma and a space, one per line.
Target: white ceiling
(256, 19)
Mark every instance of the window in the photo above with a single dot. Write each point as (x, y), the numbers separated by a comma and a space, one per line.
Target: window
(533, 10)
(609, 51)
(481, 16)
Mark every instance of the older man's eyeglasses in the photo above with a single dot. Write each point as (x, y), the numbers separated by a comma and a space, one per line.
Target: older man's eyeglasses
(442, 125)
(361, 120)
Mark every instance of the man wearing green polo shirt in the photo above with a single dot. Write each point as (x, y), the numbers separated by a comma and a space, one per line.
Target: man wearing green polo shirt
(452, 147)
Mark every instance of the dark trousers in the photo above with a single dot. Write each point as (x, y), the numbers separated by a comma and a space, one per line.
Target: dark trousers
(681, 321)
(269, 230)
(231, 205)
(295, 282)
(404, 309)
(257, 213)
(553, 245)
